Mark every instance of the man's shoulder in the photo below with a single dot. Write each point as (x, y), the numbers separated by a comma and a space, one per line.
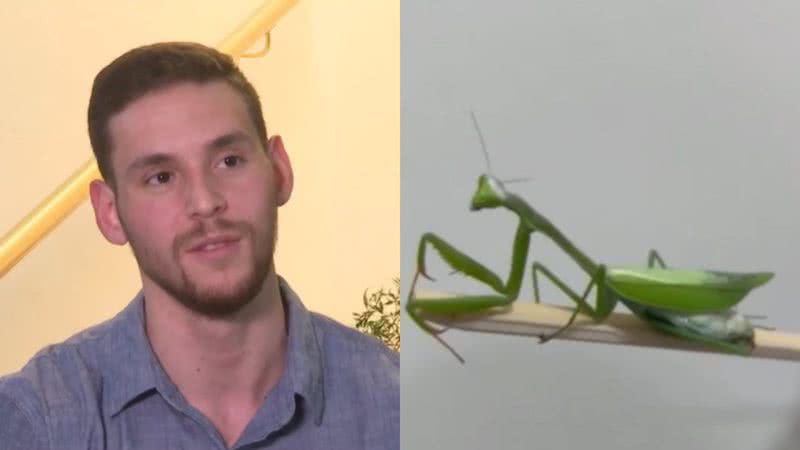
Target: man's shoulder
(60, 374)
(348, 349)
(53, 390)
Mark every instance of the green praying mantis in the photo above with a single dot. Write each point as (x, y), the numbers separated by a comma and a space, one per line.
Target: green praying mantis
(697, 305)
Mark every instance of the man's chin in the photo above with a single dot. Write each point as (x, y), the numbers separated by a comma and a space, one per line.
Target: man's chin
(214, 296)
(210, 292)
(218, 302)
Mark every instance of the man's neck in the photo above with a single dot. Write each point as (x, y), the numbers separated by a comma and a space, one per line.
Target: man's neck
(220, 365)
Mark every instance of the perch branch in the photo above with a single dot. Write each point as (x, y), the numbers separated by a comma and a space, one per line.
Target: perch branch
(531, 319)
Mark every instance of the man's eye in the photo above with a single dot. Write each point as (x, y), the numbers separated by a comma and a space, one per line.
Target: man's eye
(159, 178)
(231, 161)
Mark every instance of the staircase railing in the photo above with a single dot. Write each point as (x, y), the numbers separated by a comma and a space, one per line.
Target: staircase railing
(15, 244)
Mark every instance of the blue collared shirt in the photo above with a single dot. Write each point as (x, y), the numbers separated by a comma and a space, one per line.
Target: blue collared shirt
(104, 389)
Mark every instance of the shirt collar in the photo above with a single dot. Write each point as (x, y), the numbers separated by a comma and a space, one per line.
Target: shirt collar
(133, 369)
(131, 362)
(303, 354)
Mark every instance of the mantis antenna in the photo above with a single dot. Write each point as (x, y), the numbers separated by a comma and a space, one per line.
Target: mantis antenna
(486, 152)
(483, 143)
(517, 180)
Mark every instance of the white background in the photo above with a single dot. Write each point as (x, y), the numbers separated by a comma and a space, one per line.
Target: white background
(668, 125)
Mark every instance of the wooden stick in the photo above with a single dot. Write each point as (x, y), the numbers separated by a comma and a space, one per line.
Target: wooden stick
(526, 318)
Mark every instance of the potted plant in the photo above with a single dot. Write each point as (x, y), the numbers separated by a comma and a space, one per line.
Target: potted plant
(381, 315)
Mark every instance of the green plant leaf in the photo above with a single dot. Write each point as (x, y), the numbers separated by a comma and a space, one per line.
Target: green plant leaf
(381, 315)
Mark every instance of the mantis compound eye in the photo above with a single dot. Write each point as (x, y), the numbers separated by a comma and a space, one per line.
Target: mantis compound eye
(497, 186)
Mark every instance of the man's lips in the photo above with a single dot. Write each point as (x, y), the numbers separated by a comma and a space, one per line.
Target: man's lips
(212, 243)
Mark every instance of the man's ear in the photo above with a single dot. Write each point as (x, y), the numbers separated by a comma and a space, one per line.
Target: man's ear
(282, 167)
(105, 212)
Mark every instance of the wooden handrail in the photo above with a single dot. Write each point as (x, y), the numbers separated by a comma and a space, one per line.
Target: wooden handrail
(15, 244)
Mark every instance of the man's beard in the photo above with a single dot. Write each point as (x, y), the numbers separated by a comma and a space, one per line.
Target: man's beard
(210, 302)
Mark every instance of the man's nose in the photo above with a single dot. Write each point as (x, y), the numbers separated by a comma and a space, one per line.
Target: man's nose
(204, 197)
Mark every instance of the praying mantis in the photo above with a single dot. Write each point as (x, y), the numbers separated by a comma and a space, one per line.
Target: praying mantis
(697, 305)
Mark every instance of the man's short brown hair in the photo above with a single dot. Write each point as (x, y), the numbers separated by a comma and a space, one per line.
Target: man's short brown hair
(151, 67)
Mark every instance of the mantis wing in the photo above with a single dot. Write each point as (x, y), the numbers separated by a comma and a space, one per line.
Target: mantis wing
(689, 291)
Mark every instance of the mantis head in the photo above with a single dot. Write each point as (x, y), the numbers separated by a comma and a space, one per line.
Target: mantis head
(490, 193)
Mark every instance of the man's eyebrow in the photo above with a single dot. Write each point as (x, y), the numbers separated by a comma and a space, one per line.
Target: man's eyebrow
(227, 139)
(149, 160)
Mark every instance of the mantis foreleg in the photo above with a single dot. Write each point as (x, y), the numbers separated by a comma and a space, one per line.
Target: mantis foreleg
(461, 262)
(457, 260)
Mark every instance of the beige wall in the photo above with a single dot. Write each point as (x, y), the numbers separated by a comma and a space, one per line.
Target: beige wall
(330, 87)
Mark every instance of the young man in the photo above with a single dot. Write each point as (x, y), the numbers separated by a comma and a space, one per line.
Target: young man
(216, 351)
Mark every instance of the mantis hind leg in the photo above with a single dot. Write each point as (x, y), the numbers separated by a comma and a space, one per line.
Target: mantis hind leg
(603, 307)
(653, 257)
